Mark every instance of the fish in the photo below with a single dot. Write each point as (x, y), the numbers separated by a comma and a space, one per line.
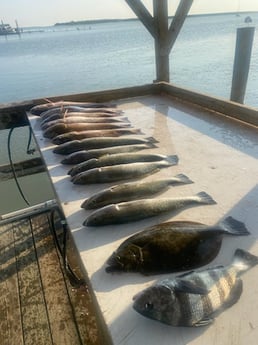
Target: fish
(118, 158)
(61, 128)
(173, 246)
(83, 119)
(75, 135)
(195, 299)
(40, 108)
(80, 156)
(120, 172)
(99, 143)
(54, 114)
(132, 190)
(131, 211)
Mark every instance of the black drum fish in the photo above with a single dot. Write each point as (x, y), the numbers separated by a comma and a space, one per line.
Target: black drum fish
(194, 299)
(173, 246)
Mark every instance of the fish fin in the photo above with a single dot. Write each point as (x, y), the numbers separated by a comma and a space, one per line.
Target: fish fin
(244, 260)
(205, 198)
(204, 322)
(183, 178)
(234, 227)
(172, 159)
(186, 286)
(152, 140)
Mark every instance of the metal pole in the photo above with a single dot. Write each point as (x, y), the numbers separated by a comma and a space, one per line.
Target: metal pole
(243, 52)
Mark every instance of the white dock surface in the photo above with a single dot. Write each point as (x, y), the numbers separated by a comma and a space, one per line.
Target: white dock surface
(220, 156)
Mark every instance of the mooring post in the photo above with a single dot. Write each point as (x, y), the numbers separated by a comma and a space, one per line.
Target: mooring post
(243, 51)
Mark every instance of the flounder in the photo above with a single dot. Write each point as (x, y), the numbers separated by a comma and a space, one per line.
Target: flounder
(173, 246)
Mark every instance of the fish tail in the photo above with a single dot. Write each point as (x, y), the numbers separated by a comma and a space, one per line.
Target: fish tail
(150, 145)
(173, 159)
(183, 178)
(205, 198)
(244, 260)
(152, 140)
(234, 227)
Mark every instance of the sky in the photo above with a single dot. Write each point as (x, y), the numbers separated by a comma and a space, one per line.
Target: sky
(49, 12)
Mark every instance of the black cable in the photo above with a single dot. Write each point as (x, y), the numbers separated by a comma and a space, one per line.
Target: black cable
(12, 166)
(74, 280)
(30, 151)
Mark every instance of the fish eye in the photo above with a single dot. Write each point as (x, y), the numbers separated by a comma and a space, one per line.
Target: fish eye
(148, 306)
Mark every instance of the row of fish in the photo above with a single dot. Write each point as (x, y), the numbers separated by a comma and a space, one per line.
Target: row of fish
(102, 147)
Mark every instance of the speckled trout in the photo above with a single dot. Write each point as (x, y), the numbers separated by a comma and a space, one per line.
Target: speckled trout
(130, 211)
(80, 156)
(133, 190)
(120, 172)
(120, 158)
(99, 143)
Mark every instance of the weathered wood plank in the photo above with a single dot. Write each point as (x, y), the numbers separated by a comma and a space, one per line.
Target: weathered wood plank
(144, 15)
(90, 321)
(28, 167)
(177, 22)
(61, 318)
(223, 106)
(33, 310)
(10, 316)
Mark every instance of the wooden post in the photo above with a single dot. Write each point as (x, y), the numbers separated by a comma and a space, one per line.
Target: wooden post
(243, 52)
(160, 11)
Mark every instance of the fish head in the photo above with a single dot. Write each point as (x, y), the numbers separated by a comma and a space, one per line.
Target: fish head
(126, 259)
(157, 302)
(95, 201)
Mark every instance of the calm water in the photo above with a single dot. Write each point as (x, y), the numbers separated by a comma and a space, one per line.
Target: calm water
(66, 60)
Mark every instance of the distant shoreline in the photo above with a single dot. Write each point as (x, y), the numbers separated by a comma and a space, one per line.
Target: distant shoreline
(103, 21)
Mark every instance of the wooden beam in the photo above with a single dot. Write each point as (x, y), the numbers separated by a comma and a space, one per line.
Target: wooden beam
(160, 12)
(23, 168)
(144, 15)
(177, 22)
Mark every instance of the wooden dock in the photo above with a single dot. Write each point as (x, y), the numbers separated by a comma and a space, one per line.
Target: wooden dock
(39, 305)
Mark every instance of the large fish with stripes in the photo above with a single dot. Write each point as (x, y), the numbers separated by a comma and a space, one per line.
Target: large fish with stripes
(195, 298)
